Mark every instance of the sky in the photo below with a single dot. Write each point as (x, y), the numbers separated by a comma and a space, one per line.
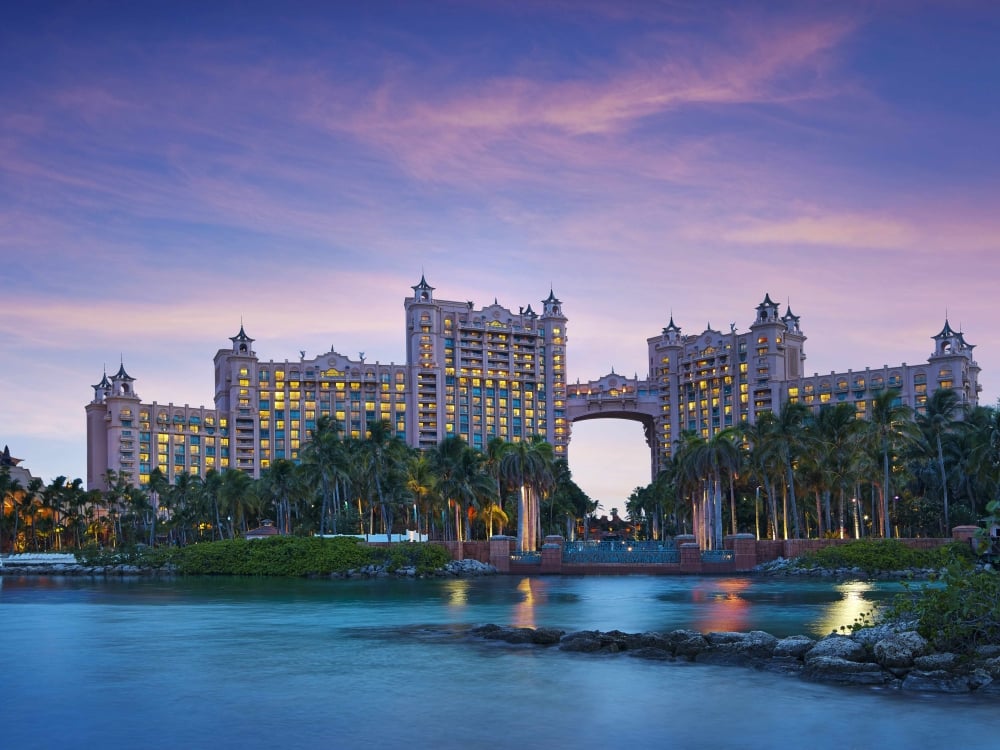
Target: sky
(169, 170)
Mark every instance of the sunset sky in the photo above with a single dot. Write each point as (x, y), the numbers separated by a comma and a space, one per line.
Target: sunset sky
(168, 169)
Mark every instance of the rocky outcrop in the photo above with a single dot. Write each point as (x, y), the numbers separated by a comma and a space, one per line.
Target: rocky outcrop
(67, 565)
(454, 569)
(794, 567)
(882, 656)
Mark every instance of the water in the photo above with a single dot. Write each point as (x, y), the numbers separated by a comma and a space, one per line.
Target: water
(223, 663)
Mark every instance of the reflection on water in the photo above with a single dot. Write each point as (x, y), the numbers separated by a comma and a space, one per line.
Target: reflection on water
(534, 594)
(249, 663)
(723, 607)
(855, 601)
(457, 593)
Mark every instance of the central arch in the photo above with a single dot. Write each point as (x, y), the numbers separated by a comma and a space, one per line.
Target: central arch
(616, 397)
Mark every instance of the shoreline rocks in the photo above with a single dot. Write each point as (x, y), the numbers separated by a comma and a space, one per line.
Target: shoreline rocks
(891, 657)
(786, 567)
(67, 565)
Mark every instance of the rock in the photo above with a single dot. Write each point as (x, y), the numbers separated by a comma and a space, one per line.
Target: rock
(759, 645)
(935, 662)
(979, 679)
(687, 643)
(586, 641)
(794, 647)
(988, 651)
(718, 639)
(900, 649)
(547, 636)
(651, 652)
(937, 681)
(837, 647)
(844, 671)
(653, 641)
(468, 567)
(992, 667)
(483, 631)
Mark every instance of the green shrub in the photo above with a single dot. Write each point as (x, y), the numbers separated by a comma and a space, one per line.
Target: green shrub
(276, 556)
(877, 555)
(424, 557)
(958, 617)
(299, 556)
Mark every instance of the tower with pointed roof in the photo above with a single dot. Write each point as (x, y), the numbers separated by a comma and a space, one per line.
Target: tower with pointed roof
(952, 364)
(479, 373)
(111, 416)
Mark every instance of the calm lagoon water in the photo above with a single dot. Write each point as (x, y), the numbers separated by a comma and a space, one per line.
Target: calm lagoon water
(234, 663)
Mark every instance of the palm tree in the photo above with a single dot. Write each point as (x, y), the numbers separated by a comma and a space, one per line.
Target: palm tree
(836, 452)
(786, 438)
(703, 462)
(528, 466)
(492, 457)
(979, 453)
(324, 465)
(276, 485)
(384, 453)
(936, 424)
(888, 428)
(237, 497)
(10, 490)
(762, 464)
(421, 483)
(461, 480)
(159, 495)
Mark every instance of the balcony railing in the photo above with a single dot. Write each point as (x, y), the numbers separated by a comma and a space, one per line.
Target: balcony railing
(620, 552)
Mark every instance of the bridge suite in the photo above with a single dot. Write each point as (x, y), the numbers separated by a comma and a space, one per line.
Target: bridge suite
(614, 396)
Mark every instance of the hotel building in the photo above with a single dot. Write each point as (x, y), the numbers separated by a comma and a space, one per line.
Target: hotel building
(707, 382)
(474, 373)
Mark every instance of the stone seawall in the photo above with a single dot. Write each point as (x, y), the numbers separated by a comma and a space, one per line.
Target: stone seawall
(890, 657)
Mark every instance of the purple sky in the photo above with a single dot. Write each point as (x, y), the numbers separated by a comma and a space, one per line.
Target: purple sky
(168, 168)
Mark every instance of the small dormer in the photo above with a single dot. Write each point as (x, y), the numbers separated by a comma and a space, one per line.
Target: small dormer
(242, 344)
(423, 292)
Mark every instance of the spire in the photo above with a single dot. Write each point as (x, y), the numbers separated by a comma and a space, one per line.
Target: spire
(241, 342)
(671, 326)
(121, 374)
(946, 332)
(105, 383)
(767, 311)
(241, 336)
(423, 291)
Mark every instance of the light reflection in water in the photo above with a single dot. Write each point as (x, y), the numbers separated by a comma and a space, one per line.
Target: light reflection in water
(458, 593)
(850, 607)
(534, 591)
(722, 608)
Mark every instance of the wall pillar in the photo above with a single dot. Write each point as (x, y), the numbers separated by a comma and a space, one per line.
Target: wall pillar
(500, 549)
(744, 547)
(690, 557)
(552, 554)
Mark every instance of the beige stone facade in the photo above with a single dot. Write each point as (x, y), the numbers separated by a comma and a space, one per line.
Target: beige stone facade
(476, 373)
(714, 380)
